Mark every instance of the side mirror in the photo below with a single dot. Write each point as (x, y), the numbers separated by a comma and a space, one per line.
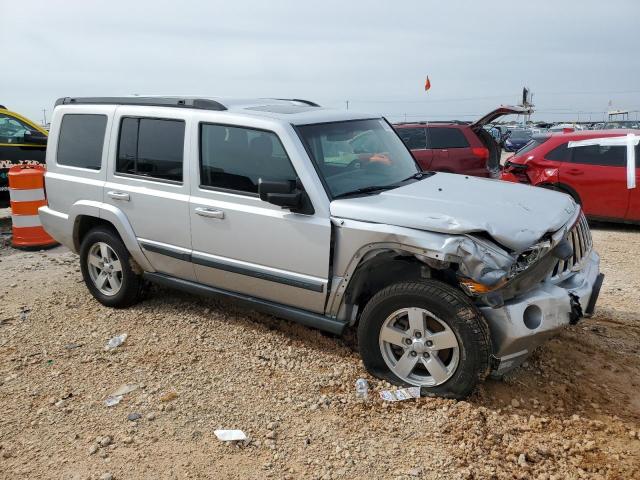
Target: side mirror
(36, 138)
(285, 194)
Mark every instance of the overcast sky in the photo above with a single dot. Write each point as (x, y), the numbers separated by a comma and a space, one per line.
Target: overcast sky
(575, 55)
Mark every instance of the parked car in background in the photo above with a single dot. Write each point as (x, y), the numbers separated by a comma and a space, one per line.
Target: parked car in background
(517, 139)
(622, 124)
(595, 176)
(21, 141)
(456, 147)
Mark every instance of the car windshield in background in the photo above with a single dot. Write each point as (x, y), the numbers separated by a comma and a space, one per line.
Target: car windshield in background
(358, 156)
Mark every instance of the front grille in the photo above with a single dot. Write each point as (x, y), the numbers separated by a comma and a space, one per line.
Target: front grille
(580, 238)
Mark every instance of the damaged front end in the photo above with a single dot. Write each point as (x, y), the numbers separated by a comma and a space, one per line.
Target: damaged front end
(525, 296)
(494, 276)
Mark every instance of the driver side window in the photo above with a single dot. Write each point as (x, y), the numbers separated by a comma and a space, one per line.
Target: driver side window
(236, 158)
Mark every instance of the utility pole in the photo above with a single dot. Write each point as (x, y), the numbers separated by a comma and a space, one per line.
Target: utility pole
(44, 117)
(347, 102)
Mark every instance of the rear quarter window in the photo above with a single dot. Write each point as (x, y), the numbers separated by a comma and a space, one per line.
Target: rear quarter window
(446, 137)
(562, 153)
(80, 140)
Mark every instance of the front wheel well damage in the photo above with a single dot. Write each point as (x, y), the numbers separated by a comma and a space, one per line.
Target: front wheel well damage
(387, 268)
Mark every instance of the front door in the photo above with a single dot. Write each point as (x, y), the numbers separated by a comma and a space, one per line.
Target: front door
(598, 174)
(148, 182)
(243, 244)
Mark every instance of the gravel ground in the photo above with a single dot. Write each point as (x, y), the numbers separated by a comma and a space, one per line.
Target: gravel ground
(196, 365)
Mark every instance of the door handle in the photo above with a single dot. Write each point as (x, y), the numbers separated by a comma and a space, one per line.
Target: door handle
(119, 195)
(210, 213)
(575, 171)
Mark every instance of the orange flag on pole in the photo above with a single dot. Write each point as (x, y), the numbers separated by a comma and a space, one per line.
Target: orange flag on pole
(427, 84)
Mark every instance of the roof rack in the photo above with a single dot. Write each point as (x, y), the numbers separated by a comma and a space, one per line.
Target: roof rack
(300, 100)
(196, 103)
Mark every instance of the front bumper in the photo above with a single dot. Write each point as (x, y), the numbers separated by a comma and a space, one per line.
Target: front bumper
(527, 321)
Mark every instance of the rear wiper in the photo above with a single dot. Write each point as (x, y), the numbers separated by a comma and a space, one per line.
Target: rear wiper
(364, 190)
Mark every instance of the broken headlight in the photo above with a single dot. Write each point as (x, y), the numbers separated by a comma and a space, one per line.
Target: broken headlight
(528, 257)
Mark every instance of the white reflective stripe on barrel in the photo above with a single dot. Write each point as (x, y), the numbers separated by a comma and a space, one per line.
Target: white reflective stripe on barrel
(26, 221)
(30, 195)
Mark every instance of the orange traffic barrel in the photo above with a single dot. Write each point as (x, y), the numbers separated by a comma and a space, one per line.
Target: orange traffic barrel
(26, 191)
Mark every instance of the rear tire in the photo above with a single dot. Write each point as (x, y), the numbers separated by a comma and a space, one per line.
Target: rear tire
(431, 326)
(106, 269)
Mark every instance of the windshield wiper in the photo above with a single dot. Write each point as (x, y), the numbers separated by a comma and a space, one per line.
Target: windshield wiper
(380, 188)
(416, 176)
(365, 190)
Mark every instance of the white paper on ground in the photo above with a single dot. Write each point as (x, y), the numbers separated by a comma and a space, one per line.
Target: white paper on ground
(400, 394)
(230, 435)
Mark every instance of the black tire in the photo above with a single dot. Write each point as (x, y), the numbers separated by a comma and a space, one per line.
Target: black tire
(449, 305)
(131, 286)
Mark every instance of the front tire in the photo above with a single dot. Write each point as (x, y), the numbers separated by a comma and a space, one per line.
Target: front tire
(106, 269)
(425, 334)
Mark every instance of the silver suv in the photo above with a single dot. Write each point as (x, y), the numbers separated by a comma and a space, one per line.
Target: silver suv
(322, 217)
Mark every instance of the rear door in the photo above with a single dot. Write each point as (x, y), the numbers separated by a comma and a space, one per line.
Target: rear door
(598, 174)
(415, 138)
(148, 182)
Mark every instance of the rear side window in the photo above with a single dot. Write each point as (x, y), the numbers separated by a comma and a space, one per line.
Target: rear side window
(151, 147)
(444, 137)
(601, 155)
(413, 138)
(562, 153)
(235, 158)
(80, 140)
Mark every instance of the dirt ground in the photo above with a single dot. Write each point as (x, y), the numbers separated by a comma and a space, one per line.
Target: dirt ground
(196, 365)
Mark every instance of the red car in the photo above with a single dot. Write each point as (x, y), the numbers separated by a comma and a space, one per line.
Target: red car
(595, 176)
(456, 147)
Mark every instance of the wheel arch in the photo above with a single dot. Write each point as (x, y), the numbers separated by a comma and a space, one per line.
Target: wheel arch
(381, 268)
(87, 215)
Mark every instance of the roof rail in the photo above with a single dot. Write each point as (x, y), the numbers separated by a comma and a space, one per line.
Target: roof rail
(196, 103)
(300, 100)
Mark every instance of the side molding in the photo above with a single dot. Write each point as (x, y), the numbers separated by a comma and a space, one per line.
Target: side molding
(302, 317)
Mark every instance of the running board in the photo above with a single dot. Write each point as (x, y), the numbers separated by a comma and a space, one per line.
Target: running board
(300, 316)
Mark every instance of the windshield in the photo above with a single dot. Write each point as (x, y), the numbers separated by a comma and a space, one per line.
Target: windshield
(358, 154)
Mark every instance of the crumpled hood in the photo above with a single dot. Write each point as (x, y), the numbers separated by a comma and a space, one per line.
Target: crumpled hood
(515, 215)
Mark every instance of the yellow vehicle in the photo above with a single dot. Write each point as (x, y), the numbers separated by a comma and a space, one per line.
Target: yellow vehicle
(21, 141)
